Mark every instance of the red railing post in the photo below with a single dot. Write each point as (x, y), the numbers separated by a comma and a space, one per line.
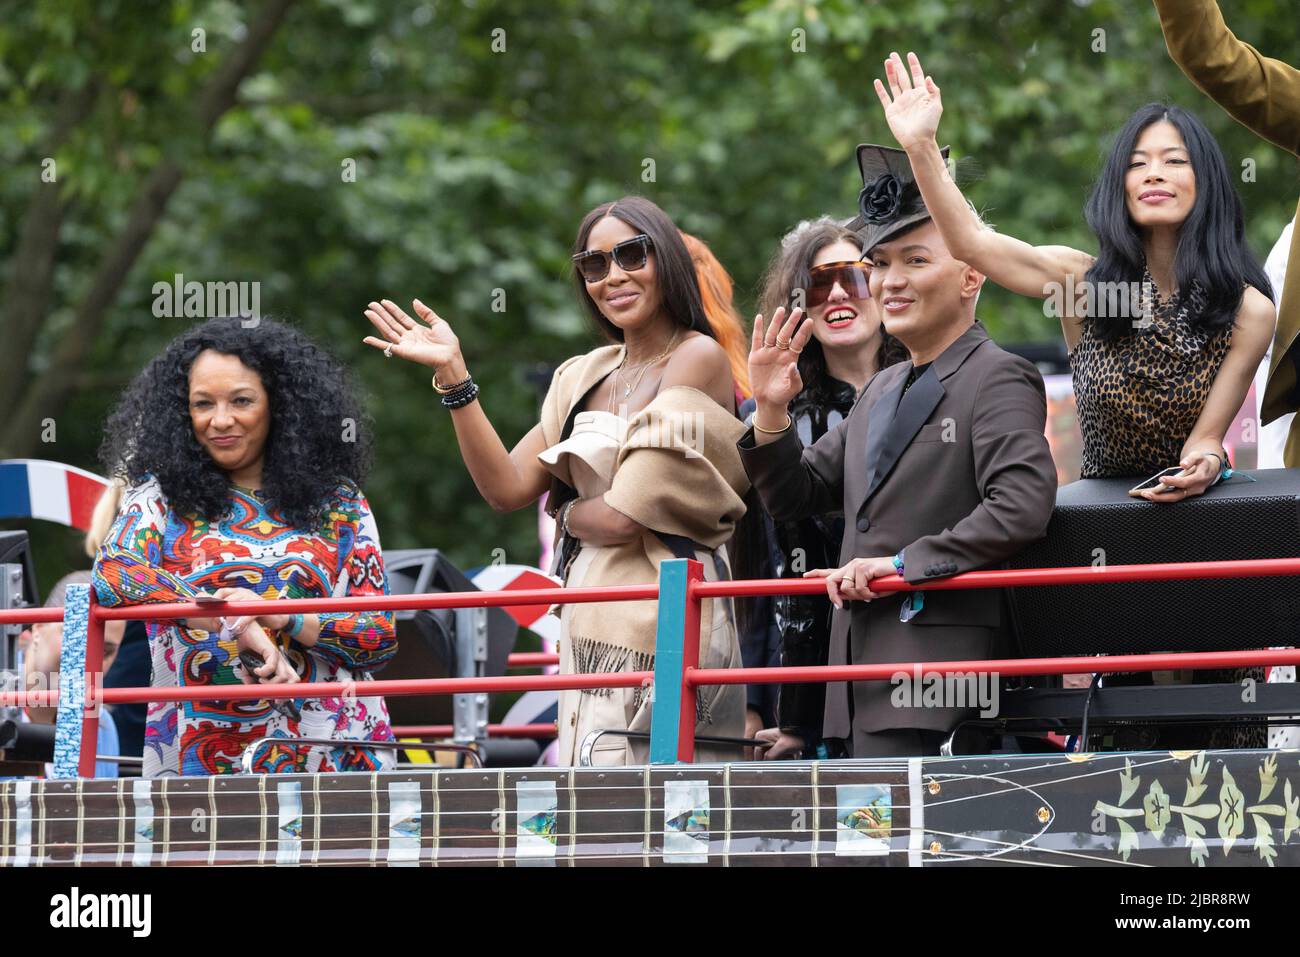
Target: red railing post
(94, 679)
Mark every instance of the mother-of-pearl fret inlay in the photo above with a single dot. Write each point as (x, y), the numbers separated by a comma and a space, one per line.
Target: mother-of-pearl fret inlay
(288, 833)
(142, 829)
(864, 815)
(686, 822)
(537, 819)
(405, 823)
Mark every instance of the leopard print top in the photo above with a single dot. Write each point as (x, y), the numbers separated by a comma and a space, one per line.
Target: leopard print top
(1140, 396)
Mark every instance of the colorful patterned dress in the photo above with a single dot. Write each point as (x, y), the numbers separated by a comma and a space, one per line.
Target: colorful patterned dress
(152, 555)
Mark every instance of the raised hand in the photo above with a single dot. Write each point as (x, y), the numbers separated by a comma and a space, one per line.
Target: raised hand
(430, 343)
(912, 104)
(774, 361)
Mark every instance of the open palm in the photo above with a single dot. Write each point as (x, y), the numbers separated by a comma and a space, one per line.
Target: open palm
(774, 358)
(912, 103)
(430, 343)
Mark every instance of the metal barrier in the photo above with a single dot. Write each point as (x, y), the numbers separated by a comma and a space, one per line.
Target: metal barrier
(679, 592)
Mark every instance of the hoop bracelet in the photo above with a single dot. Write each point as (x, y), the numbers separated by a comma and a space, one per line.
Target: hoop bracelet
(759, 428)
(449, 389)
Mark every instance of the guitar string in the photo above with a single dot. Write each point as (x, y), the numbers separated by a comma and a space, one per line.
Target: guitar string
(635, 840)
(640, 806)
(254, 847)
(666, 855)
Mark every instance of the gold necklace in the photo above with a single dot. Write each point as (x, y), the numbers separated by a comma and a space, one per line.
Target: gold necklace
(644, 367)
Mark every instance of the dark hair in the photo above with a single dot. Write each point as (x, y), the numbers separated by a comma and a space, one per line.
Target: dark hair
(1212, 251)
(788, 272)
(306, 456)
(674, 269)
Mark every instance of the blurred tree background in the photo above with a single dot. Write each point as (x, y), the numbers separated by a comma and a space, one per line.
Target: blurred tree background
(219, 139)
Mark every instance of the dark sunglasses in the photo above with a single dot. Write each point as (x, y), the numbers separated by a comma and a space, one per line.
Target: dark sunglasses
(630, 254)
(853, 277)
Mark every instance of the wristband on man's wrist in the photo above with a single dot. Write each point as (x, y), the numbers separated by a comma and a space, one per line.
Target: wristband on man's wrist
(759, 428)
(294, 627)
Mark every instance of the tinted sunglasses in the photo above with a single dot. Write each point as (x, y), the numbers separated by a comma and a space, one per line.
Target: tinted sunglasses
(853, 278)
(630, 254)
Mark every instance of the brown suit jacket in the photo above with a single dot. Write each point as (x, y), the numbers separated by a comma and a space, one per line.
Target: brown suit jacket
(957, 474)
(1264, 95)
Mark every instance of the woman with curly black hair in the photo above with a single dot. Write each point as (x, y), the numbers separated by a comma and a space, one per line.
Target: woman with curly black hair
(242, 446)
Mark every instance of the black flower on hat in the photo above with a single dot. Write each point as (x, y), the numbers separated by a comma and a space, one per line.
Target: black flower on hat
(880, 199)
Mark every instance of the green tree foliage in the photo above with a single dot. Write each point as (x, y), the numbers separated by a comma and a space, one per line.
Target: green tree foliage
(479, 134)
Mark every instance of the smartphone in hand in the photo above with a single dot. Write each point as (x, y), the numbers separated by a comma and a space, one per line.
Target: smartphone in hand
(1154, 483)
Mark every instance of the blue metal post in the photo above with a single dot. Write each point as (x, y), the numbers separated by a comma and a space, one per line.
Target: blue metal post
(677, 649)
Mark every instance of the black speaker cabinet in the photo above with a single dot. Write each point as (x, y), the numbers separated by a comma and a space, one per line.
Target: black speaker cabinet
(426, 639)
(1096, 521)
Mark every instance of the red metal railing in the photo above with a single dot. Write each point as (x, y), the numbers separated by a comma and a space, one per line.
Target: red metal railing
(690, 674)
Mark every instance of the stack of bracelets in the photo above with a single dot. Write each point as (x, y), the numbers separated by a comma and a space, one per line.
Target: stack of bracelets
(459, 395)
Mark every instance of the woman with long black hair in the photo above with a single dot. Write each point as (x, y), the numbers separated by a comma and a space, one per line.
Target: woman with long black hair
(1166, 325)
(637, 445)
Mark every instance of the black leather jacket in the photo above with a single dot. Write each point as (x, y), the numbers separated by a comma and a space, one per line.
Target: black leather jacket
(795, 629)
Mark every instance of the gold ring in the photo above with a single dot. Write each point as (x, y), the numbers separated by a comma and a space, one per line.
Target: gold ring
(782, 343)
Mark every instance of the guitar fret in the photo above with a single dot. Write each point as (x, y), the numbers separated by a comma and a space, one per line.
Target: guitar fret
(501, 819)
(726, 800)
(573, 817)
(645, 840)
(81, 824)
(4, 823)
(817, 810)
(261, 820)
(166, 818)
(916, 823)
(121, 820)
(315, 834)
(214, 820)
(41, 843)
(436, 806)
(374, 820)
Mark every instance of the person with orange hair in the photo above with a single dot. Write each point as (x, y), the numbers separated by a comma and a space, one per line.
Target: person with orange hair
(716, 292)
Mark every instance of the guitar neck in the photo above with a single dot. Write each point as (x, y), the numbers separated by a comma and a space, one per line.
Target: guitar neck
(888, 812)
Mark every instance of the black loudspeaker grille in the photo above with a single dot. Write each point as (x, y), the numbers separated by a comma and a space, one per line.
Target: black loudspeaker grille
(1236, 520)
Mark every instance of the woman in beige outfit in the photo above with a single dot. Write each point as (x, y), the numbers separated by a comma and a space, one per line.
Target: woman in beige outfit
(637, 447)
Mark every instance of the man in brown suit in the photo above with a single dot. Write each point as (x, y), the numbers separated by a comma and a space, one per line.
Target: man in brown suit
(941, 467)
(1264, 95)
